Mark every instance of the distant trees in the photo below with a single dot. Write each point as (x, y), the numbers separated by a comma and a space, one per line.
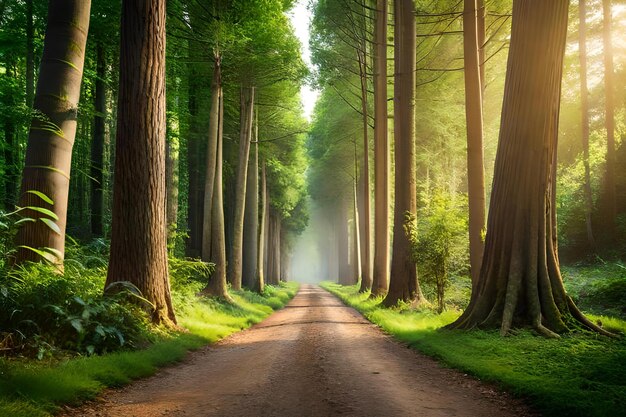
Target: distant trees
(139, 237)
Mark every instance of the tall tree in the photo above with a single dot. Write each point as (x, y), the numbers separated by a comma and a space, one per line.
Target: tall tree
(584, 106)
(609, 94)
(97, 144)
(380, 277)
(251, 219)
(520, 281)
(53, 129)
(474, 120)
(138, 237)
(245, 136)
(404, 285)
(263, 223)
(30, 53)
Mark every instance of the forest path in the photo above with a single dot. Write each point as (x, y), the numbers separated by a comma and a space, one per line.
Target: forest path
(316, 357)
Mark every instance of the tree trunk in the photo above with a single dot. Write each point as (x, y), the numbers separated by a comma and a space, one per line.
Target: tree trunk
(520, 282)
(609, 93)
(171, 180)
(474, 119)
(211, 157)
(273, 261)
(380, 278)
(481, 12)
(217, 286)
(11, 176)
(49, 151)
(259, 282)
(245, 136)
(138, 237)
(97, 145)
(30, 54)
(584, 104)
(251, 218)
(404, 285)
(355, 241)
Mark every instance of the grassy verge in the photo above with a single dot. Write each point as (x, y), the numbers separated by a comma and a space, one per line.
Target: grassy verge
(578, 375)
(32, 389)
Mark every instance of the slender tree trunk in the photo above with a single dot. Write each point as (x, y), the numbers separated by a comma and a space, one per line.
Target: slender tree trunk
(404, 285)
(584, 104)
(97, 145)
(49, 151)
(380, 278)
(138, 238)
(217, 285)
(520, 282)
(246, 121)
(355, 247)
(251, 219)
(30, 54)
(11, 176)
(171, 180)
(259, 283)
(273, 261)
(474, 119)
(211, 156)
(609, 93)
(364, 217)
(481, 12)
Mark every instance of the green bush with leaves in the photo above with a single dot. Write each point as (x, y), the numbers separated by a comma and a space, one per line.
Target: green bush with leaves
(439, 241)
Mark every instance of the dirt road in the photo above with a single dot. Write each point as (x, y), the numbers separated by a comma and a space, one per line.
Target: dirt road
(316, 357)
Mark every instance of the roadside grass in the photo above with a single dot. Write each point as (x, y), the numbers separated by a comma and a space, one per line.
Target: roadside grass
(32, 389)
(581, 374)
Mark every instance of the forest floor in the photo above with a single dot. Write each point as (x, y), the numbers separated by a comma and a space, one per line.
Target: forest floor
(316, 357)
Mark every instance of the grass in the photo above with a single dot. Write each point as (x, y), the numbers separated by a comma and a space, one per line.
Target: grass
(32, 389)
(578, 375)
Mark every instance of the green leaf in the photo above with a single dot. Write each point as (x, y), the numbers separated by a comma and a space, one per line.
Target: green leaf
(43, 211)
(52, 225)
(41, 195)
(77, 324)
(25, 220)
(45, 255)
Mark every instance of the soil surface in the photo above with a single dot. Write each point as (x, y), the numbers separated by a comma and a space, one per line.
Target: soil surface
(316, 357)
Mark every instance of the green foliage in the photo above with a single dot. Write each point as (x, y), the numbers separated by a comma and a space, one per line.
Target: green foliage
(599, 289)
(39, 389)
(579, 376)
(439, 241)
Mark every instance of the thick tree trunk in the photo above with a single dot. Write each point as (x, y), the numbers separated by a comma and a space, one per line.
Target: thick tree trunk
(211, 157)
(251, 220)
(520, 283)
(259, 283)
(97, 145)
(245, 136)
(217, 285)
(584, 105)
(404, 285)
(609, 93)
(138, 238)
(380, 277)
(49, 151)
(474, 119)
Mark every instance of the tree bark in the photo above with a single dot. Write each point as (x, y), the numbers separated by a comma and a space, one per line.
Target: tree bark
(97, 145)
(520, 282)
(609, 93)
(138, 237)
(481, 12)
(273, 261)
(404, 285)
(251, 220)
(380, 277)
(475, 159)
(11, 176)
(211, 157)
(259, 283)
(584, 105)
(217, 286)
(245, 136)
(171, 181)
(53, 129)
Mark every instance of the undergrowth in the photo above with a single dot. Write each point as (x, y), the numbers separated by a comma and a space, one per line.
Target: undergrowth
(581, 374)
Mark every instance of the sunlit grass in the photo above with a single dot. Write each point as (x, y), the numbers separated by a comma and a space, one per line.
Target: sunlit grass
(31, 389)
(581, 374)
